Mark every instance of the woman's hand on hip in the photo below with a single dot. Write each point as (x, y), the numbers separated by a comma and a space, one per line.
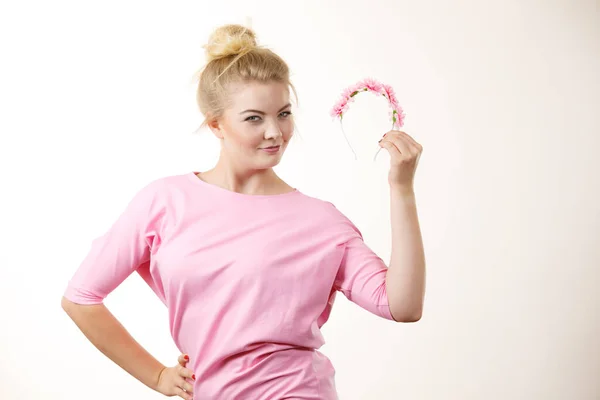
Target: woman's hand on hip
(173, 381)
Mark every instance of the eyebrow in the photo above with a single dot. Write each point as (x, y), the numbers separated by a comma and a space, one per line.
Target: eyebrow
(263, 113)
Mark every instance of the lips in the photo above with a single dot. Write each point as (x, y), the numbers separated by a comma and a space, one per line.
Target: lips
(272, 149)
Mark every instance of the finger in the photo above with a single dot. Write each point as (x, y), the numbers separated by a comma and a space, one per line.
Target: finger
(415, 148)
(186, 373)
(188, 387)
(410, 139)
(407, 136)
(183, 359)
(393, 150)
(181, 393)
(402, 146)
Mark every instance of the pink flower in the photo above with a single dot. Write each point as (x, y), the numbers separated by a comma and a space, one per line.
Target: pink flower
(372, 85)
(340, 107)
(348, 92)
(357, 87)
(336, 111)
(388, 91)
(399, 117)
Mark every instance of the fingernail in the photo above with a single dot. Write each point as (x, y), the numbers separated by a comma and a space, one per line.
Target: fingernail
(194, 376)
(186, 358)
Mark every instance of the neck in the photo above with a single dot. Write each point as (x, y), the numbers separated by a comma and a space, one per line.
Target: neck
(255, 182)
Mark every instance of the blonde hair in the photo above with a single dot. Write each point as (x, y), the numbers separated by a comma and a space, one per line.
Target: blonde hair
(233, 56)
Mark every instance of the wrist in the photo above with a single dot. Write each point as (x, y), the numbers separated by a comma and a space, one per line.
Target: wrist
(402, 190)
(158, 375)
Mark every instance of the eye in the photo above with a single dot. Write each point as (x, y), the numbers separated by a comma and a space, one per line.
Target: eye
(252, 120)
(287, 114)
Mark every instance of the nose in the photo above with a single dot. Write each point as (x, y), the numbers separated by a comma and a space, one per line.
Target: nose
(273, 131)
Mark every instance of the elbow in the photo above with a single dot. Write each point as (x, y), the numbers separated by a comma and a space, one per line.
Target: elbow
(413, 318)
(408, 316)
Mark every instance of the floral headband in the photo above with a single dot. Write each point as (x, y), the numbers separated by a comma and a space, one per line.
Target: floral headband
(369, 85)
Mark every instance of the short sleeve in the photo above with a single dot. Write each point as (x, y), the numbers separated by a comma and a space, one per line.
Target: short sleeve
(124, 247)
(362, 275)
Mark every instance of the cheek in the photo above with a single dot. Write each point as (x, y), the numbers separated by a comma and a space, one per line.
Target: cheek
(249, 143)
(245, 136)
(288, 130)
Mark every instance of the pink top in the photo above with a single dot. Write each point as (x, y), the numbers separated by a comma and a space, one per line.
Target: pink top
(248, 281)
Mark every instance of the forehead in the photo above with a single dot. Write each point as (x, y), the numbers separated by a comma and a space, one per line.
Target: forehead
(257, 95)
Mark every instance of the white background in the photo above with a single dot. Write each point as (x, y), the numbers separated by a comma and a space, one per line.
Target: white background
(97, 99)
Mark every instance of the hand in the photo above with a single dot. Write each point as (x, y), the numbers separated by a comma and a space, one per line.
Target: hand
(405, 153)
(172, 380)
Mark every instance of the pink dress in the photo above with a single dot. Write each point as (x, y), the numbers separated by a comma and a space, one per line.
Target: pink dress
(248, 281)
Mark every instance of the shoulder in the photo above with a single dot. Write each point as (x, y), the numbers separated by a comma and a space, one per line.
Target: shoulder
(155, 199)
(332, 217)
(162, 185)
(153, 195)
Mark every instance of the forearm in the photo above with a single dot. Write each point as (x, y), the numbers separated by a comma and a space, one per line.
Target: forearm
(110, 337)
(405, 282)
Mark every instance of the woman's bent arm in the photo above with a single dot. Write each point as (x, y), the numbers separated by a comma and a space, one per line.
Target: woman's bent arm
(109, 336)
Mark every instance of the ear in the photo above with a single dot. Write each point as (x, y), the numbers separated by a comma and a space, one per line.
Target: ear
(215, 127)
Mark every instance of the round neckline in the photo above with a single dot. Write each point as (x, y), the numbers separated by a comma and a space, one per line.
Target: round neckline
(192, 175)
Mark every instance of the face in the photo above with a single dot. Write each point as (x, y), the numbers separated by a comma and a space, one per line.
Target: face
(257, 125)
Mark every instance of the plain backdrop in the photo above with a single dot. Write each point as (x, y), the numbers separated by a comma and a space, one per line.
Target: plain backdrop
(97, 99)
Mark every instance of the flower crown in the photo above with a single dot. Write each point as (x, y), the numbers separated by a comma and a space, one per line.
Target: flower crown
(369, 85)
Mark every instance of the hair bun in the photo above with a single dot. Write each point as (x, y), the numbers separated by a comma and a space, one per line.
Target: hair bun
(229, 40)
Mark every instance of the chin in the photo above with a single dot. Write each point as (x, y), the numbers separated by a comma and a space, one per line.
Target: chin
(270, 164)
(267, 158)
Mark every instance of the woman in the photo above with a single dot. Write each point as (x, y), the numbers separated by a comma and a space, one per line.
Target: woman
(247, 265)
